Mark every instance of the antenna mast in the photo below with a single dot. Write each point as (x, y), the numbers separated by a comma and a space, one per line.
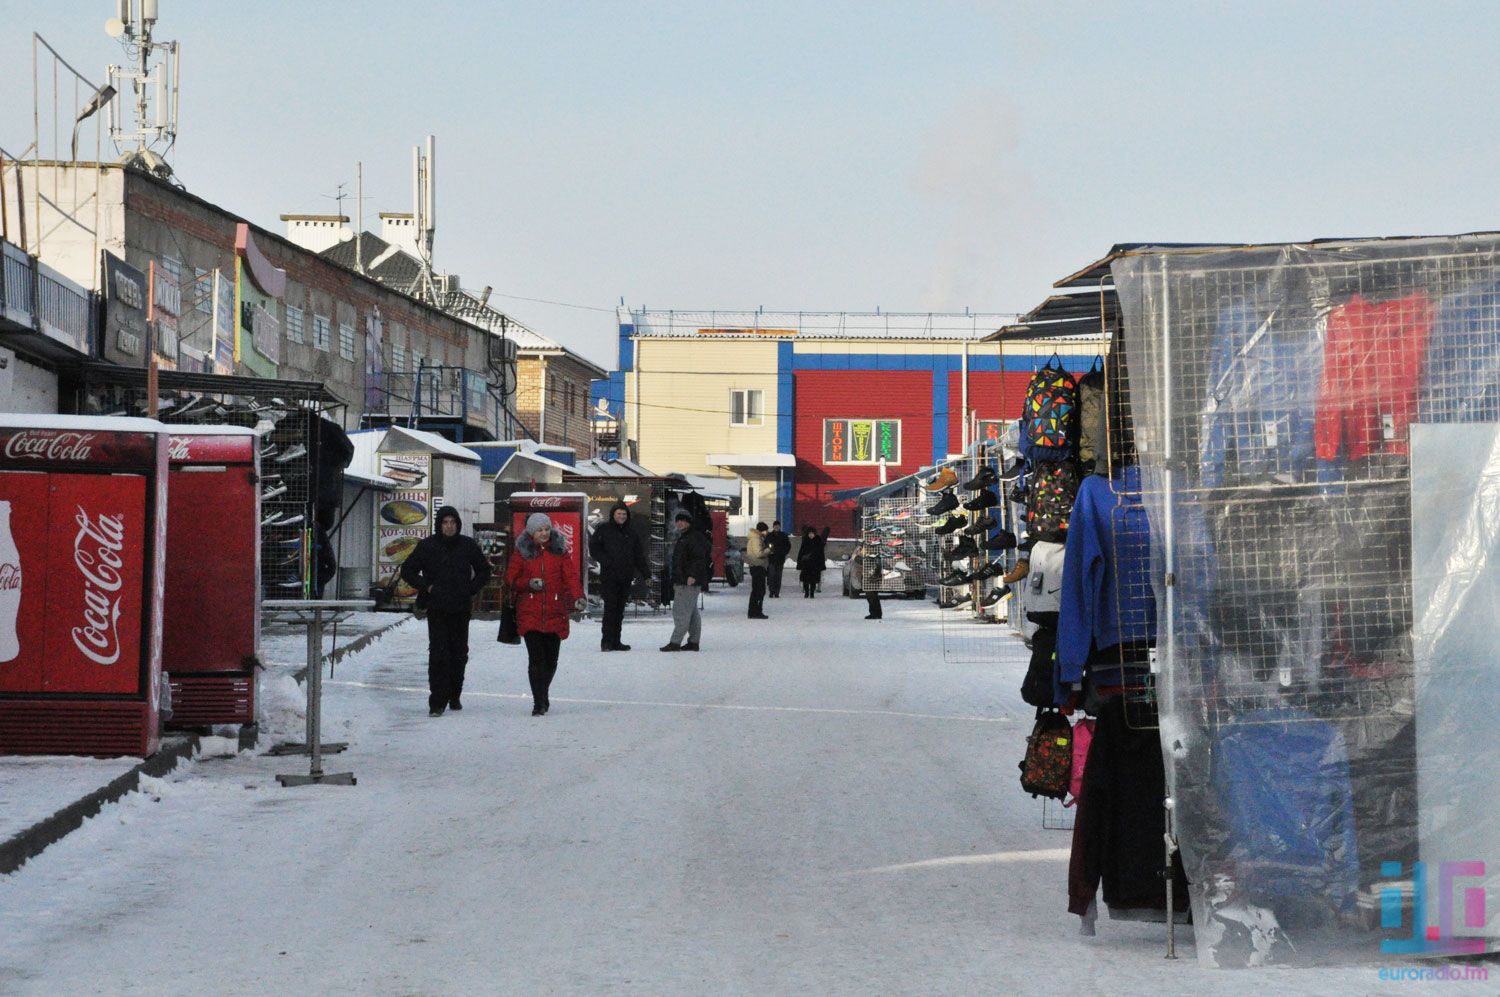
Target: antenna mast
(136, 20)
(424, 211)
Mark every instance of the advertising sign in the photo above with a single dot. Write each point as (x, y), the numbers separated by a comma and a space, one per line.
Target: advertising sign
(861, 441)
(126, 334)
(226, 329)
(569, 514)
(404, 518)
(166, 305)
(636, 496)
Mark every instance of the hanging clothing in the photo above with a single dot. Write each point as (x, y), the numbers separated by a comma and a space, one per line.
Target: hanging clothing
(1258, 417)
(1106, 593)
(1372, 363)
(1461, 372)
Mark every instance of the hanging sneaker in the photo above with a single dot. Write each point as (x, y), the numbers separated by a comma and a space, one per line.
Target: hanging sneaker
(953, 579)
(950, 525)
(947, 503)
(946, 478)
(272, 492)
(297, 451)
(900, 564)
(894, 542)
(1020, 571)
(1017, 494)
(995, 595)
(983, 500)
(1013, 469)
(964, 548)
(983, 524)
(1002, 540)
(961, 599)
(891, 575)
(988, 570)
(983, 479)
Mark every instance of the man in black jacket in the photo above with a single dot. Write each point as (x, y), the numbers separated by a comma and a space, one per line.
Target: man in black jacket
(692, 566)
(615, 546)
(448, 570)
(778, 546)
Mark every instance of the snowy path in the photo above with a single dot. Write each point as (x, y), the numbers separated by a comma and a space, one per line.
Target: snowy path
(812, 804)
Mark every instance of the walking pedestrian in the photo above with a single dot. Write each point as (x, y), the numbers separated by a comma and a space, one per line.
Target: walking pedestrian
(869, 578)
(621, 558)
(542, 582)
(692, 563)
(448, 570)
(811, 559)
(778, 546)
(755, 557)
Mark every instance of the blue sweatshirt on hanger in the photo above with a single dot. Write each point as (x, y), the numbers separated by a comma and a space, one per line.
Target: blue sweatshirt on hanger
(1106, 594)
(1461, 371)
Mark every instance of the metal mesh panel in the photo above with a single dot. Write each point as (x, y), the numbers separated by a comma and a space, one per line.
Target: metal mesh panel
(974, 598)
(1320, 599)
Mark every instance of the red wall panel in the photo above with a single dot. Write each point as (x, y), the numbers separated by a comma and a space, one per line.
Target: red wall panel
(836, 394)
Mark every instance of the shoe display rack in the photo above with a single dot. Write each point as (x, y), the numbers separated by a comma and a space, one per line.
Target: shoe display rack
(908, 563)
(286, 508)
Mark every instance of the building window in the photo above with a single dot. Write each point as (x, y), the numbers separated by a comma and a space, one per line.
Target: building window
(322, 329)
(346, 341)
(398, 357)
(861, 441)
(745, 407)
(293, 324)
(752, 507)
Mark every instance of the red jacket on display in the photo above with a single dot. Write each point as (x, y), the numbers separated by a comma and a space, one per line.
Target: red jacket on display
(546, 608)
(1372, 364)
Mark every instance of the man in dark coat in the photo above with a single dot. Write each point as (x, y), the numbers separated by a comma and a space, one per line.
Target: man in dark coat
(617, 549)
(778, 546)
(448, 570)
(692, 566)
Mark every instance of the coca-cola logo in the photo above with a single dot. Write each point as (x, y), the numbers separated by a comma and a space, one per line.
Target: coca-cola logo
(545, 503)
(50, 444)
(180, 448)
(96, 553)
(10, 576)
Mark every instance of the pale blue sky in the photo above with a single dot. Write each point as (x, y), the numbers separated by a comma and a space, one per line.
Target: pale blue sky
(819, 156)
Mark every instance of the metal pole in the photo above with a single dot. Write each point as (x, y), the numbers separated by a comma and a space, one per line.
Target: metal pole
(315, 690)
(1170, 587)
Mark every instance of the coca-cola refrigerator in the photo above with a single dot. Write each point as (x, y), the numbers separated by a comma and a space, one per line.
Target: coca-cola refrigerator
(569, 514)
(83, 521)
(211, 635)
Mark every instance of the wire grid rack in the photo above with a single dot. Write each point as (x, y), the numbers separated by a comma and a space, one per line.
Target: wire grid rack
(899, 530)
(1274, 392)
(969, 610)
(1055, 816)
(286, 416)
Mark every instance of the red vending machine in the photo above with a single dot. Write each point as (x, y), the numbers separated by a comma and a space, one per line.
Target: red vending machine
(569, 514)
(211, 634)
(83, 521)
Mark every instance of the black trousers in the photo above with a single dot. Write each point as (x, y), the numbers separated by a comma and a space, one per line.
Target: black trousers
(873, 600)
(757, 591)
(541, 663)
(774, 568)
(615, 593)
(447, 655)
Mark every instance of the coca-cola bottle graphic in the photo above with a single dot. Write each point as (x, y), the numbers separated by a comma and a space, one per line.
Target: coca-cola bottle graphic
(10, 588)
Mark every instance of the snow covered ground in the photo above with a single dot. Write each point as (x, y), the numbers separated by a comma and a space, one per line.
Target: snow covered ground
(812, 804)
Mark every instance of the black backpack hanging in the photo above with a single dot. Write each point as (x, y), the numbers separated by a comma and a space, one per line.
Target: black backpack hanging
(1049, 414)
(1048, 765)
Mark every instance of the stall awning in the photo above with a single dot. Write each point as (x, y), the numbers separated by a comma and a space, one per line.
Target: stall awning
(751, 460)
(871, 493)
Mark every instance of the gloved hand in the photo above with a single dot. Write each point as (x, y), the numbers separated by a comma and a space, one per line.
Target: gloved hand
(536, 585)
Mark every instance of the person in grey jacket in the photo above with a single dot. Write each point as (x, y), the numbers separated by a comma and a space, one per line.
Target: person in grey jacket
(692, 566)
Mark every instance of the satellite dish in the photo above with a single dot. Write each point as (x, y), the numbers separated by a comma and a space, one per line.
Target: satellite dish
(345, 235)
(114, 27)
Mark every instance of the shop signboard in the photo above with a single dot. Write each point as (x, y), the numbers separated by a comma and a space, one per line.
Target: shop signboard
(861, 441)
(225, 327)
(992, 430)
(127, 336)
(162, 312)
(403, 519)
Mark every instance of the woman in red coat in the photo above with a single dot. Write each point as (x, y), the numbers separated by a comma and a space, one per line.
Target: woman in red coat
(543, 585)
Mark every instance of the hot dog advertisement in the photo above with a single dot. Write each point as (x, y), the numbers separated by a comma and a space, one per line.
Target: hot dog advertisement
(402, 517)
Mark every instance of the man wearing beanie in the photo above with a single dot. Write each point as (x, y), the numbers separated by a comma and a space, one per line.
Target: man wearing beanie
(448, 570)
(692, 564)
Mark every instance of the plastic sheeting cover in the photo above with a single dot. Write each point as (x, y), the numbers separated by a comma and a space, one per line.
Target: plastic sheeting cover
(1321, 468)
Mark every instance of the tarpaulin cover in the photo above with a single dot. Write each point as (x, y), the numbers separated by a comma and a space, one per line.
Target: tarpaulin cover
(1320, 464)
